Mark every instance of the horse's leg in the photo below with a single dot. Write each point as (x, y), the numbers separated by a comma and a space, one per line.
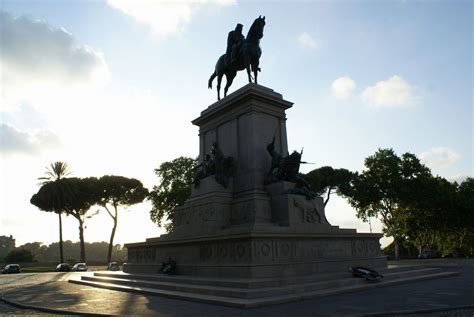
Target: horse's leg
(219, 80)
(229, 79)
(248, 73)
(247, 66)
(255, 72)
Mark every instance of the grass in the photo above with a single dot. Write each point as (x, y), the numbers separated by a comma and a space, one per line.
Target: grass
(37, 269)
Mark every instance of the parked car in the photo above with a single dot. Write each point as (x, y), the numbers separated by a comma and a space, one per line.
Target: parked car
(63, 267)
(79, 267)
(428, 254)
(113, 266)
(11, 268)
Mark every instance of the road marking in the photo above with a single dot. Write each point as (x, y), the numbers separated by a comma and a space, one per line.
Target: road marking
(95, 300)
(88, 289)
(448, 294)
(64, 300)
(84, 304)
(68, 293)
(35, 301)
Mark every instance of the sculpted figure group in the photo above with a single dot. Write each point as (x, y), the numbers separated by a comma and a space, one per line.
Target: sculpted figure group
(281, 169)
(288, 169)
(216, 164)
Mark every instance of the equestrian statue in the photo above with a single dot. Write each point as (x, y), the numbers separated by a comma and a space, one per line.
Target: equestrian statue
(241, 53)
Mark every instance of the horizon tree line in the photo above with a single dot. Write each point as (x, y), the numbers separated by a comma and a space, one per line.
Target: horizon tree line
(40, 252)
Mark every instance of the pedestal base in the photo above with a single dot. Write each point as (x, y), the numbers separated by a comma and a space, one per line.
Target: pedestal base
(259, 254)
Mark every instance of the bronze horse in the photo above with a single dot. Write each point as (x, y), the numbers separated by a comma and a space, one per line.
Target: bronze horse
(249, 57)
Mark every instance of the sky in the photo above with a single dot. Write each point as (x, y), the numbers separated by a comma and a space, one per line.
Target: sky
(111, 87)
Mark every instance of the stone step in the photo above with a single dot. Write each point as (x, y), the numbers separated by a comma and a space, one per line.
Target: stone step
(240, 282)
(230, 290)
(242, 292)
(226, 282)
(357, 284)
(246, 282)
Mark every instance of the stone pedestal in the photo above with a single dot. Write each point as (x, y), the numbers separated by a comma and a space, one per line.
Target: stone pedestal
(249, 229)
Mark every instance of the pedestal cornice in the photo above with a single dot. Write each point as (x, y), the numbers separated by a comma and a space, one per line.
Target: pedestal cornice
(241, 98)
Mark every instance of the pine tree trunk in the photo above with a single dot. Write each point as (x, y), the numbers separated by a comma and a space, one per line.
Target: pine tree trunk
(397, 250)
(111, 243)
(61, 254)
(81, 239)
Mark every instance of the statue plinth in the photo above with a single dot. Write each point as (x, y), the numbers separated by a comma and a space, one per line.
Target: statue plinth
(250, 229)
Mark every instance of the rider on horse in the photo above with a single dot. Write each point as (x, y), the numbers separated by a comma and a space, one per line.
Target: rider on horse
(234, 44)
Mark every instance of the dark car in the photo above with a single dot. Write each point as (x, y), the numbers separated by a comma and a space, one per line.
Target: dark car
(428, 254)
(79, 267)
(113, 266)
(11, 268)
(63, 267)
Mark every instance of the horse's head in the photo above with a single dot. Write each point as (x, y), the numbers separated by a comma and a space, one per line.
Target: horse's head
(256, 30)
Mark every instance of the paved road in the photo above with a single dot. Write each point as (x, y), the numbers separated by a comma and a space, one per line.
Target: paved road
(441, 297)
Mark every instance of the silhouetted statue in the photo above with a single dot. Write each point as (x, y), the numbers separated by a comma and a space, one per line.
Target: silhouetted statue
(275, 164)
(216, 164)
(288, 169)
(234, 44)
(244, 54)
(205, 169)
(224, 166)
(168, 267)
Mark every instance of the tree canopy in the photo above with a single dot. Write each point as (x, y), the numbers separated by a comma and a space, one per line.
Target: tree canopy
(19, 255)
(386, 187)
(55, 172)
(115, 192)
(329, 180)
(73, 196)
(176, 178)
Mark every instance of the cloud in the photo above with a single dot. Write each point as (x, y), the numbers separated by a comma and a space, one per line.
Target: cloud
(307, 41)
(164, 17)
(343, 87)
(14, 141)
(393, 92)
(36, 57)
(439, 157)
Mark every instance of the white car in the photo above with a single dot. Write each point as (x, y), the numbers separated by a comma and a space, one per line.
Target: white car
(79, 267)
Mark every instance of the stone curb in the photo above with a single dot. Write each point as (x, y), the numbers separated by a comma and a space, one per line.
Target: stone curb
(49, 310)
(414, 312)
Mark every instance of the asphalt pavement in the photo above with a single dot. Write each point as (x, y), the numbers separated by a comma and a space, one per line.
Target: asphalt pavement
(48, 293)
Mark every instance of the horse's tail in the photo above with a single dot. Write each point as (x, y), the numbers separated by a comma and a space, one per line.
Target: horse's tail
(209, 85)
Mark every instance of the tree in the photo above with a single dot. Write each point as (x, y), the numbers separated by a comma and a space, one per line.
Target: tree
(38, 249)
(428, 210)
(385, 188)
(115, 192)
(328, 180)
(462, 216)
(176, 178)
(86, 195)
(6, 245)
(19, 255)
(56, 172)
